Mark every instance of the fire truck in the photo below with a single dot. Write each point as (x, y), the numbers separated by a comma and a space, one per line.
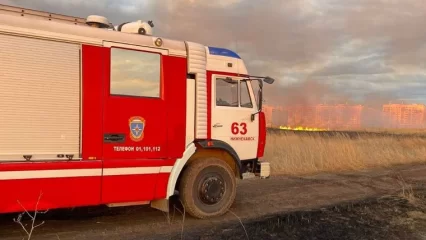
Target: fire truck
(96, 114)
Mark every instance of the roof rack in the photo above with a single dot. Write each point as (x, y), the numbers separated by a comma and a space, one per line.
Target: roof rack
(24, 12)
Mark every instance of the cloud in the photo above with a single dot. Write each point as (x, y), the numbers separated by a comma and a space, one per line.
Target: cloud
(363, 47)
(368, 66)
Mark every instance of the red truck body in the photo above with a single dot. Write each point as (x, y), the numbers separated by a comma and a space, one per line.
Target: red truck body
(95, 116)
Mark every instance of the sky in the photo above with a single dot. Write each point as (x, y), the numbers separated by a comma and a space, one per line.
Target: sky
(317, 50)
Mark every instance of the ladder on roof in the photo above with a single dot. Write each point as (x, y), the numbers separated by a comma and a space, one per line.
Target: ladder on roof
(24, 12)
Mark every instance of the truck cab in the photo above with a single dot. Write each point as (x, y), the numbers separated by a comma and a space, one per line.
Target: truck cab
(236, 116)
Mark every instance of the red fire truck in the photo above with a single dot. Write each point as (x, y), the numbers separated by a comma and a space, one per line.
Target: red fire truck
(96, 114)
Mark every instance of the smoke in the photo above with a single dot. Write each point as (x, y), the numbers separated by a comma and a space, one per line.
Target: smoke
(309, 92)
(394, 21)
(298, 106)
(366, 52)
(277, 37)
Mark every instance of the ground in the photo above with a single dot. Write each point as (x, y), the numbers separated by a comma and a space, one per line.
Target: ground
(351, 205)
(381, 218)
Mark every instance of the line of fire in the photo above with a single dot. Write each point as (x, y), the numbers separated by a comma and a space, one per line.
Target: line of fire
(324, 117)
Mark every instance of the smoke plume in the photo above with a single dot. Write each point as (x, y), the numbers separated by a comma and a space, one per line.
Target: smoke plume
(367, 52)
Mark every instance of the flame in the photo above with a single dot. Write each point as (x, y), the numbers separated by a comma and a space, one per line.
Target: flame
(303, 129)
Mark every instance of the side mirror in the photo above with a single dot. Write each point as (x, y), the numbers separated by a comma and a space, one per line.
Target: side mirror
(269, 80)
(260, 102)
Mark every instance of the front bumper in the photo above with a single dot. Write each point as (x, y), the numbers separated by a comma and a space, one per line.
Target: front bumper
(264, 169)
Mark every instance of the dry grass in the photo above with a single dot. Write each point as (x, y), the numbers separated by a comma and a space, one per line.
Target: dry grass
(416, 131)
(294, 154)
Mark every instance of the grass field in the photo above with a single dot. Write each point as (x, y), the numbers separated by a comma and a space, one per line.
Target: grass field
(299, 154)
(421, 131)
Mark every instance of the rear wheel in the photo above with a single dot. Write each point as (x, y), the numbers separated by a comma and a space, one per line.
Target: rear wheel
(207, 188)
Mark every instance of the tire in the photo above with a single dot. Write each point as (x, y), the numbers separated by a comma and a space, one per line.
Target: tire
(211, 172)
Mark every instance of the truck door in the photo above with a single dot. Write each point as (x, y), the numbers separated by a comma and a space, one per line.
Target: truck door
(135, 123)
(233, 104)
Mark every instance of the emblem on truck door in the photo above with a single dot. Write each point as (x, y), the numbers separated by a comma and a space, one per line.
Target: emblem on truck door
(137, 126)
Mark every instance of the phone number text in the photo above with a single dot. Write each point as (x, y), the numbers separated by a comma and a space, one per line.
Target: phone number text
(137, 149)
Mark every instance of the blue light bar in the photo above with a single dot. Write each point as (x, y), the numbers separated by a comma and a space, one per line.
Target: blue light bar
(223, 52)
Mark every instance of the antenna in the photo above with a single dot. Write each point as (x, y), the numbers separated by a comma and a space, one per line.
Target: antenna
(236, 44)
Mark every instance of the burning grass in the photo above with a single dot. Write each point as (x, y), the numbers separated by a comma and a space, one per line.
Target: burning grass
(293, 154)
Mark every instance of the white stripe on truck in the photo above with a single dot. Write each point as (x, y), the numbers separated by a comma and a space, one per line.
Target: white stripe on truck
(91, 172)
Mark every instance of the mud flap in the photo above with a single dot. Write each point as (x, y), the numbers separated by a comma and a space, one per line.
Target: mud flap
(161, 204)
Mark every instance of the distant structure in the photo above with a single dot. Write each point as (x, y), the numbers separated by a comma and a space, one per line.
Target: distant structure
(268, 114)
(405, 115)
(344, 116)
(275, 116)
(340, 116)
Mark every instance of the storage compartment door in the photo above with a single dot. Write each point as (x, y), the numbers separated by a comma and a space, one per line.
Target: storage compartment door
(39, 99)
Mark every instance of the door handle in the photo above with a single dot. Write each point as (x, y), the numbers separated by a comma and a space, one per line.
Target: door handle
(114, 138)
(217, 125)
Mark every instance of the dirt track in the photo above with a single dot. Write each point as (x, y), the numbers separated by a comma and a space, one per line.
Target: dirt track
(256, 199)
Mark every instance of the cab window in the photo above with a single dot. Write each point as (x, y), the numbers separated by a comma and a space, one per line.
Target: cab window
(135, 73)
(245, 100)
(233, 93)
(226, 92)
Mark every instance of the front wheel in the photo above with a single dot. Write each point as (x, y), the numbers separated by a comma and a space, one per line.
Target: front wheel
(207, 188)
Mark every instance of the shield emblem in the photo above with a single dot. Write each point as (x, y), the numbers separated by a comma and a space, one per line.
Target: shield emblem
(137, 127)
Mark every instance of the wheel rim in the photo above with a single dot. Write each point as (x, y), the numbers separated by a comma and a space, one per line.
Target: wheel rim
(211, 190)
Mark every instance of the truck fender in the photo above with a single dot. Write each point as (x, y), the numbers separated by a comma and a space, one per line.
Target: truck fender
(189, 151)
(217, 144)
(177, 168)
